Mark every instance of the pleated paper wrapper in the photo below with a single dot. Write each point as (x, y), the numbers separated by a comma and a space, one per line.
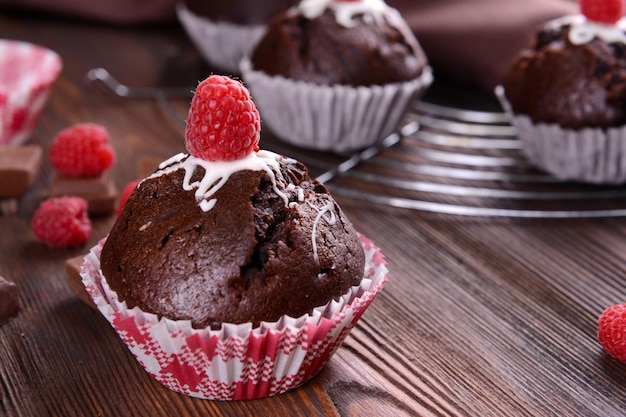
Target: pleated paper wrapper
(221, 44)
(331, 117)
(27, 74)
(589, 155)
(237, 362)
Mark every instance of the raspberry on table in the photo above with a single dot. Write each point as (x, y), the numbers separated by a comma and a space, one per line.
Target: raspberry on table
(602, 11)
(612, 331)
(82, 150)
(223, 122)
(62, 222)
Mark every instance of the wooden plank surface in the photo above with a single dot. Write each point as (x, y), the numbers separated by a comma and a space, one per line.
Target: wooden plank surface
(480, 317)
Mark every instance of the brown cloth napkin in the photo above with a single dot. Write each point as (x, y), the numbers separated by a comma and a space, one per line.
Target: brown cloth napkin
(475, 41)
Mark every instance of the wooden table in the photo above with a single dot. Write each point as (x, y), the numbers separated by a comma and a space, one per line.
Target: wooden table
(481, 316)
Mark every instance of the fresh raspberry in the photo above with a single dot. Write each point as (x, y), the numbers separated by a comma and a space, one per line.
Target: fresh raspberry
(62, 222)
(612, 331)
(223, 123)
(128, 190)
(82, 150)
(602, 11)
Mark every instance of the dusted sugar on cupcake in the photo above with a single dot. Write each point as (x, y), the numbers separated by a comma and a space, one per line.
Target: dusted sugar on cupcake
(336, 75)
(232, 255)
(226, 31)
(567, 95)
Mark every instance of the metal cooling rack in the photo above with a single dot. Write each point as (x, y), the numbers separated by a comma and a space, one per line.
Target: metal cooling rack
(441, 160)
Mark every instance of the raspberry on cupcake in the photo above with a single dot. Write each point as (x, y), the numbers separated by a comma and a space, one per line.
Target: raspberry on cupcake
(223, 122)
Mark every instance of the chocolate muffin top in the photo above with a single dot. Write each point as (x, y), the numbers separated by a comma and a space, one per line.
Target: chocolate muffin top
(240, 12)
(358, 43)
(571, 76)
(267, 242)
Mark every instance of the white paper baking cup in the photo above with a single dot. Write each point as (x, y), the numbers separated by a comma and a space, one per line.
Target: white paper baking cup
(27, 73)
(590, 155)
(330, 118)
(221, 44)
(237, 362)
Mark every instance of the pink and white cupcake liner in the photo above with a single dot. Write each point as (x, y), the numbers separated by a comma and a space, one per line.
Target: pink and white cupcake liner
(331, 117)
(27, 73)
(237, 362)
(590, 155)
(221, 44)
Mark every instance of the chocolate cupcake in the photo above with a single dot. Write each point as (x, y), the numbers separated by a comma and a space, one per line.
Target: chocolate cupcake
(228, 254)
(566, 95)
(275, 264)
(336, 75)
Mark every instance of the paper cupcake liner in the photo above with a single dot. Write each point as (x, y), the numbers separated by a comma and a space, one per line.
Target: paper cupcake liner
(590, 155)
(221, 44)
(237, 362)
(27, 73)
(331, 118)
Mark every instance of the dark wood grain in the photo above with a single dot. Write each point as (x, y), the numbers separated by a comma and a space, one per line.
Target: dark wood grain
(480, 317)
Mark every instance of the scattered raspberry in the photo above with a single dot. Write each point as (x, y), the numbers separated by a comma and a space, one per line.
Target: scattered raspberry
(612, 331)
(223, 123)
(82, 150)
(62, 222)
(128, 190)
(602, 11)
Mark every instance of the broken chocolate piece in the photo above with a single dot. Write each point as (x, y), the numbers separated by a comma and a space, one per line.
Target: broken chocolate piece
(18, 168)
(9, 300)
(72, 269)
(100, 192)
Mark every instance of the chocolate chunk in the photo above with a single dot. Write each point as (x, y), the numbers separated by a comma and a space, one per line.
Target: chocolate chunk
(9, 300)
(18, 168)
(100, 192)
(72, 269)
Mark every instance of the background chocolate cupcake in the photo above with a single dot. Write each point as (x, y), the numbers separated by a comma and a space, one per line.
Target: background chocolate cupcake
(336, 75)
(566, 94)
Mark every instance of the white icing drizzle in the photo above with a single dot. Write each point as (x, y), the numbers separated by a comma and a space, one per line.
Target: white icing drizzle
(583, 31)
(172, 160)
(373, 11)
(330, 219)
(217, 173)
